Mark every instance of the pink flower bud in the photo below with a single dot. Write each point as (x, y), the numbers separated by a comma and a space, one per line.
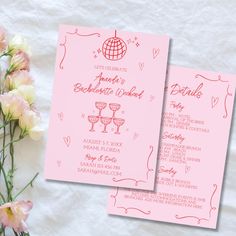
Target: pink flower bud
(19, 61)
(18, 78)
(13, 106)
(2, 39)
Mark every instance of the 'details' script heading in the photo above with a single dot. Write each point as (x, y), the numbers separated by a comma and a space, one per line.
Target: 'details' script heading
(177, 89)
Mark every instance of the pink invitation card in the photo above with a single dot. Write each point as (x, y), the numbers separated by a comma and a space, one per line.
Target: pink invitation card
(194, 138)
(106, 108)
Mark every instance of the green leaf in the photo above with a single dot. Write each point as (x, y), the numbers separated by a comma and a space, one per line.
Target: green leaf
(25, 234)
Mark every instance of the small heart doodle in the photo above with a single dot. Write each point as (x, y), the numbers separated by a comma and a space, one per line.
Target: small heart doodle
(214, 101)
(151, 98)
(67, 140)
(141, 65)
(187, 169)
(135, 136)
(60, 116)
(155, 52)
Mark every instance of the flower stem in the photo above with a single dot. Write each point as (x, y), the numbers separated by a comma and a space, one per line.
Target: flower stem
(3, 143)
(5, 54)
(15, 233)
(4, 125)
(2, 230)
(26, 186)
(6, 182)
(2, 197)
(3, 159)
(11, 150)
(13, 141)
(11, 147)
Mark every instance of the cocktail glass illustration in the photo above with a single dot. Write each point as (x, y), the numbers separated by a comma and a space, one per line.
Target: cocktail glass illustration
(93, 120)
(106, 121)
(114, 107)
(118, 122)
(100, 106)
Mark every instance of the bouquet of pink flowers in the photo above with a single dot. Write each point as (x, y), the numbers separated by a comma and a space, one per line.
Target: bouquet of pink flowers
(18, 119)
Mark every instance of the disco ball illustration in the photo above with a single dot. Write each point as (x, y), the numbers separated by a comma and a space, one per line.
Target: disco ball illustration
(114, 48)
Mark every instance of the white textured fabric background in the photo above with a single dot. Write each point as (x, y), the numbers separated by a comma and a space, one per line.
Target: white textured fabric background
(203, 36)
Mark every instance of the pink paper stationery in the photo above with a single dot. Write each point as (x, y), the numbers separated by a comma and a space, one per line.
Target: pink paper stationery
(194, 138)
(106, 109)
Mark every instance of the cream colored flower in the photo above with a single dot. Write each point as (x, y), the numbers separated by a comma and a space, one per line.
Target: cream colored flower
(18, 78)
(29, 123)
(13, 106)
(27, 92)
(36, 133)
(14, 215)
(18, 43)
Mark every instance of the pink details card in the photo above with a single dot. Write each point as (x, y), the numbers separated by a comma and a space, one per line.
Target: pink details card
(194, 138)
(106, 108)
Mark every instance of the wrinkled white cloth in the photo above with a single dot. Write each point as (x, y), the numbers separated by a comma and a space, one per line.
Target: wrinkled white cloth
(203, 36)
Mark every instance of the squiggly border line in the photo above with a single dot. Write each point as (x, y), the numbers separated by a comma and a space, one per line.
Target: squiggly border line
(227, 93)
(83, 35)
(148, 168)
(126, 209)
(199, 219)
(65, 41)
(225, 102)
(212, 80)
(115, 196)
(195, 217)
(134, 208)
(136, 182)
(212, 208)
(64, 53)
